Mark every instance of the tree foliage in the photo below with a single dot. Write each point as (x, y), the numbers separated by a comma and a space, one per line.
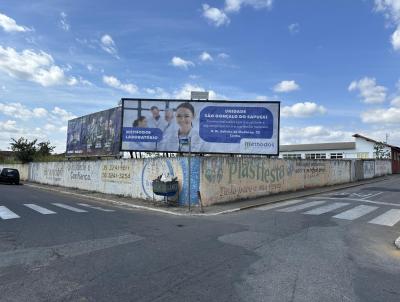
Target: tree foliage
(44, 148)
(26, 151)
(380, 152)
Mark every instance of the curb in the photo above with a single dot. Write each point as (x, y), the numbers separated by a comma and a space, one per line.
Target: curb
(397, 243)
(300, 195)
(121, 203)
(237, 209)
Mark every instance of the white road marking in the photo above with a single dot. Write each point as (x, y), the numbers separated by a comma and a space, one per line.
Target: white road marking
(278, 204)
(64, 206)
(362, 200)
(390, 218)
(7, 214)
(94, 207)
(302, 206)
(327, 208)
(39, 209)
(356, 212)
(373, 195)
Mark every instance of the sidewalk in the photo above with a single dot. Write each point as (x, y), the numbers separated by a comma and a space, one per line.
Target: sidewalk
(195, 211)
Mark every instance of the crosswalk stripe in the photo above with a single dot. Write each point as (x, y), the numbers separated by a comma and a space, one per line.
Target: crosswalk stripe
(96, 208)
(356, 212)
(64, 206)
(390, 218)
(278, 205)
(327, 208)
(39, 209)
(7, 214)
(302, 206)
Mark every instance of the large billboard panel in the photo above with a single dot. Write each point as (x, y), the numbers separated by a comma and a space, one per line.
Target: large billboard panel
(96, 134)
(200, 126)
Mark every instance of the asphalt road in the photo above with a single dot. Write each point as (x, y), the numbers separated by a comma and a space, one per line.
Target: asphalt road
(59, 248)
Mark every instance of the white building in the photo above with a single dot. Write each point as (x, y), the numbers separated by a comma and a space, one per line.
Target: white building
(362, 147)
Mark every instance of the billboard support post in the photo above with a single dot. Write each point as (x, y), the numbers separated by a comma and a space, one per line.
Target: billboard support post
(190, 170)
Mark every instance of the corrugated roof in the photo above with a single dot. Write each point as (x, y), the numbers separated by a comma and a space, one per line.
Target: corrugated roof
(318, 147)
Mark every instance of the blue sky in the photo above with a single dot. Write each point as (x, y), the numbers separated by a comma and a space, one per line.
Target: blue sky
(334, 64)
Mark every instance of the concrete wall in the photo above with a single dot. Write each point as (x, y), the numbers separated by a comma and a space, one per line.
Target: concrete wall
(382, 167)
(219, 179)
(125, 177)
(368, 169)
(226, 179)
(22, 168)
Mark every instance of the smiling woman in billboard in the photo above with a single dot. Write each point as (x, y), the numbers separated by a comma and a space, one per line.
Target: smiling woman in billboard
(184, 116)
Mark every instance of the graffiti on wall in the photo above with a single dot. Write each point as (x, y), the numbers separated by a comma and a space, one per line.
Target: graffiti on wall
(54, 173)
(224, 179)
(369, 168)
(178, 167)
(116, 171)
(80, 171)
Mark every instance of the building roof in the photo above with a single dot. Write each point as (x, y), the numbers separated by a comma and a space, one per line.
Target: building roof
(318, 147)
(374, 141)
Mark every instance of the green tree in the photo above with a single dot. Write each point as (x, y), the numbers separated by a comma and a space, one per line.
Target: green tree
(380, 152)
(24, 150)
(44, 149)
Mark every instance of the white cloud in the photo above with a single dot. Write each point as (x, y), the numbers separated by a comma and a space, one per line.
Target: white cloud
(396, 102)
(62, 114)
(157, 92)
(382, 116)
(370, 92)
(205, 56)
(223, 55)
(49, 127)
(40, 112)
(305, 109)
(236, 5)
(115, 83)
(294, 28)
(184, 92)
(34, 123)
(181, 63)
(32, 66)
(286, 86)
(215, 16)
(63, 22)
(9, 25)
(108, 45)
(396, 39)
(19, 111)
(313, 134)
(391, 11)
(8, 126)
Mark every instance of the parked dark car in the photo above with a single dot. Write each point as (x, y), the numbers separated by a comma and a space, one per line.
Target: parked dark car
(9, 175)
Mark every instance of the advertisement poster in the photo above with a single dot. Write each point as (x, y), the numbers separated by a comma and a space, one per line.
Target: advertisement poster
(96, 134)
(200, 126)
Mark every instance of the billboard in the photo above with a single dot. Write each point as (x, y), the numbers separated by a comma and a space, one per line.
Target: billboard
(96, 134)
(200, 126)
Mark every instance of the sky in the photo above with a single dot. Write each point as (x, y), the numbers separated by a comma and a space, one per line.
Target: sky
(334, 65)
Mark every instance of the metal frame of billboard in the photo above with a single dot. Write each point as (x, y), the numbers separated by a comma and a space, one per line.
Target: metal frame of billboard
(96, 155)
(201, 101)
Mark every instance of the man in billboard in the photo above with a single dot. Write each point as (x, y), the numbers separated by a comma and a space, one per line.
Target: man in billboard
(156, 121)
